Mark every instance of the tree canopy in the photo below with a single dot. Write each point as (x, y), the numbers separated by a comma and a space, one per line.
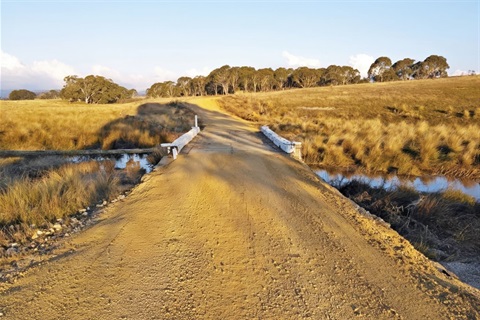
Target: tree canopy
(406, 69)
(22, 94)
(94, 89)
(379, 70)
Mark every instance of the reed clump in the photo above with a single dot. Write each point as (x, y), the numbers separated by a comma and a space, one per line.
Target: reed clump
(444, 226)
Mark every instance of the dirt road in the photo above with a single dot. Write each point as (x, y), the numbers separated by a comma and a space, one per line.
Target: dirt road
(233, 229)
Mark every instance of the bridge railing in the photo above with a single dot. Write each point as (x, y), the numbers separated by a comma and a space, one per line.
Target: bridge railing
(176, 146)
(291, 147)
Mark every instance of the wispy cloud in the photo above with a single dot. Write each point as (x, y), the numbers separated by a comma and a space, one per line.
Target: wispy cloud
(46, 74)
(49, 74)
(205, 71)
(137, 81)
(459, 73)
(361, 62)
(299, 61)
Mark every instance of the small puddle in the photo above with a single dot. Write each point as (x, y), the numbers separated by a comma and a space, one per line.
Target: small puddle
(121, 160)
(424, 184)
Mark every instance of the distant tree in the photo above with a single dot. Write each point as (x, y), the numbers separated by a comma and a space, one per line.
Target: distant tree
(305, 77)
(245, 76)
(198, 85)
(403, 68)
(221, 78)
(22, 94)
(94, 89)
(52, 94)
(432, 67)
(161, 89)
(333, 75)
(266, 79)
(378, 70)
(280, 77)
(234, 78)
(184, 86)
(435, 66)
(255, 80)
(322, 74)
(350, 75)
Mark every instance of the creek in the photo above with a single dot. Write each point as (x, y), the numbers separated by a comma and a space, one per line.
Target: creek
(432, 184)
(121, 160)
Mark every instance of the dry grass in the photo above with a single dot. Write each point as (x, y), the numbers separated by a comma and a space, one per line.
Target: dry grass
(412, 128)
(57, 193)
(444, 226)
(40, 190)
(60, 125)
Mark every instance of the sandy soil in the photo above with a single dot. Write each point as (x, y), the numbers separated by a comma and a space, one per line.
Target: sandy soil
(233, 229)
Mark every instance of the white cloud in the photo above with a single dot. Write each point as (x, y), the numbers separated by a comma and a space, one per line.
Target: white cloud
(459, 73)
(54, 69)
(299, 61)
(41, 75)
(361, 62)
(163, 75)
(49, 74)
(139, 82)
(10, 62)
(205, 71)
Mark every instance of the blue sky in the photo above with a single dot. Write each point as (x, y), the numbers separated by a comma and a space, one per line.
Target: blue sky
(138, 43)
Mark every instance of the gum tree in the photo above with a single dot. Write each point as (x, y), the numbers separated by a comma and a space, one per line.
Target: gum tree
(379, 69)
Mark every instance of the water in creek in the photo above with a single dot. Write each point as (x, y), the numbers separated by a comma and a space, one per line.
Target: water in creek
(121, 160)
(424, 184)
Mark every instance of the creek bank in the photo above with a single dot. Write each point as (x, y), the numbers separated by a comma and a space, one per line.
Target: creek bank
(16, 257)
(443, 224)
(42, 243)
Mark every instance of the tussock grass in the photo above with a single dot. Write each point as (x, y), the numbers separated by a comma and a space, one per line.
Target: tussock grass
(444, 226)
(57, 193)
(409, 127)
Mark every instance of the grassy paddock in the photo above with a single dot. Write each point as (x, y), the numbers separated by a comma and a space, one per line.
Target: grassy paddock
(410, 127)
(60, 125)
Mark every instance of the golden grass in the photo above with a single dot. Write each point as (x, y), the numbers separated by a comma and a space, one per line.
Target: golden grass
(409, 127)
(60, 125)
(40, 190)
(58, 193)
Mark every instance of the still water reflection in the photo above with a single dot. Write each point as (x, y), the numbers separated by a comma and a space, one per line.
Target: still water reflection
(121, 160)
(423, 184)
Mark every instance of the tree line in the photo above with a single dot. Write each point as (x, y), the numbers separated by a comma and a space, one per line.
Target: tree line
(228, 80)
(382, 69)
